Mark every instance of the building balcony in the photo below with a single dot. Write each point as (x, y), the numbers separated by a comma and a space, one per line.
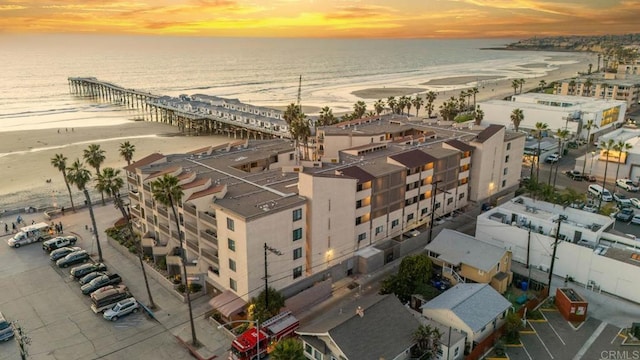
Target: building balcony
(148, 204)
(210, 255)
(465, 161)
(147, 187)
(191, 227)
(164, 228)
(413, 178)
(208, 217)
(411, 193)
(463, 175)
(363, 194)
(190, 209)
(175, 235)
(162, 211)
(135, 211)
(209, 236)
(192, 245)
(133, 195)
(132, 181)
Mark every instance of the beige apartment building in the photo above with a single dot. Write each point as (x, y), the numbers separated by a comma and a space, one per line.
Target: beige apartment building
(250, 201)
(623, 85)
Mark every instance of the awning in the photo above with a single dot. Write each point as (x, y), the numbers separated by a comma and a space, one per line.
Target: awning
(227, 303)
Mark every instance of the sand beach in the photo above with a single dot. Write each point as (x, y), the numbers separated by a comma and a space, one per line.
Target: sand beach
(25, 157)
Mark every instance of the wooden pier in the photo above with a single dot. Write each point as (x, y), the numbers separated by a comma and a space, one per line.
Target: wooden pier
(191, 116)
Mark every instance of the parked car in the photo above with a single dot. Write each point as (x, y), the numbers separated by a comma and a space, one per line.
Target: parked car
(625, 214)
(590, 208)
(82, 270)
(100, 281)
(635, 202)
(62, 252)
(553, 158)
(75, 257)
(6, 330)
(635, 219)
(622, 200)
(121, 308)
(90, 276)
(574, 175)
(627, 185)
(58, 242)
(589, 178)
(106, 297)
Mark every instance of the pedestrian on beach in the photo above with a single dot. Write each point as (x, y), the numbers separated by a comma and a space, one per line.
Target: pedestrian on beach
(60, 225)
(62, 211)
(58, 131)
(13, 226)
(6, 228)
(66, 129)
(19, 219)
(33, 222)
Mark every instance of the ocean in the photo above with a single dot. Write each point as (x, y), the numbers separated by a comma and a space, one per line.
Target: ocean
(34, 71)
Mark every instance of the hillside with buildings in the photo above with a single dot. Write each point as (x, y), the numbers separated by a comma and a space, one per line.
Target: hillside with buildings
(593, 43)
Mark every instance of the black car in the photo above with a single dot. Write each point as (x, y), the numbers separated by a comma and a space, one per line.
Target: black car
(90, 276)
(73, 258)
(82, 270)
(100, 282)
(62, 252)
(625, 214)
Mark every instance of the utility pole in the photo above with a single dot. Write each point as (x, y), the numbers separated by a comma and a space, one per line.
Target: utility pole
(555, 248)
(22, 340)
(433, 207)
(267, 249)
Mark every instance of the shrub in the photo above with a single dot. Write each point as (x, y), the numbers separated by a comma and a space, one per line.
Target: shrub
(194, 288)
(133, 249)
(162, 263)
(181, 288)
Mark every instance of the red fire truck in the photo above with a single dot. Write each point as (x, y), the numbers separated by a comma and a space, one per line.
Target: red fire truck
(245, 346)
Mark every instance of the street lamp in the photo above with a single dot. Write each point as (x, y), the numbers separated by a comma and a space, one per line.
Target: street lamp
(257, 321)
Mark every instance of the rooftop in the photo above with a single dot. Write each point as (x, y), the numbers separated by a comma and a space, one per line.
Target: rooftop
(475, 304)
(457, 248)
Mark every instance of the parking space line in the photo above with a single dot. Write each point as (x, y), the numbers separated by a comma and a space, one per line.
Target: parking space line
(615, 337)
(555, 332)
(543, 344)
(590, 341)
(526, 352)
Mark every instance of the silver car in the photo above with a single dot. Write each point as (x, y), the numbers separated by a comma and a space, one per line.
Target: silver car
(122, 308)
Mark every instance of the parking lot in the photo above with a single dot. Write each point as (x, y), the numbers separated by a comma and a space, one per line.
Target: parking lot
(555, 338)
(56, 317)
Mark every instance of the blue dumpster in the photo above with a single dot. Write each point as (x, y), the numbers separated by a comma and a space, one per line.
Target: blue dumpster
(524, 285)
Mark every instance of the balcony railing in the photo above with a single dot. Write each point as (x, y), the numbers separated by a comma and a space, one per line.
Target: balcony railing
(190, 209)
(208, 217)
(162, 211)
(191, 227)
(134, 196)
(210, 255)
(209, 236)
(147, 187)
(164, 228)
(193, 245)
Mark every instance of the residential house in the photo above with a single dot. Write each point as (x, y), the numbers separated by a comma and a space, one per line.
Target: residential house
(476, 310)
(465, 259)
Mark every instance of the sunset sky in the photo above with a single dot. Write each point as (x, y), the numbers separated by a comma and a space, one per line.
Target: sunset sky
(323, 18)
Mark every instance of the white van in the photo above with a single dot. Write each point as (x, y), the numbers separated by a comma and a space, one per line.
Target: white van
(600, 192)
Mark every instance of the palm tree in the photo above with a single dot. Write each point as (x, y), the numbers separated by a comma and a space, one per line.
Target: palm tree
(520, 83)
(562, 135)
(621, 147)
(379, 106)
(540, 128)
(392, 103)
(59, 161)
(326, 117)
(417, 103)
(479, 115)
(572, 87)
(359, 108)
(126, 151)
(291, 117)
(541, 85)
(607, 147)
(111, 183)
(94, 156)
(587, 87)
(517, 116)
(431, 97)
(515, 84)
(168, 192)
(408, 105)
(78, 175)
(473, 92)
(462, 101)
(590, 125)
(288, 349)
(428, 340)
(402, 103)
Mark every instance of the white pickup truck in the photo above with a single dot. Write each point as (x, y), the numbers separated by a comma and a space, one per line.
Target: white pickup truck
(30, 234)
